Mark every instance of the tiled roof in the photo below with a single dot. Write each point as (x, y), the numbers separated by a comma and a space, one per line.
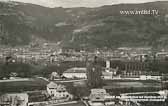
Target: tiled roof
(55, 85)
(52, 85)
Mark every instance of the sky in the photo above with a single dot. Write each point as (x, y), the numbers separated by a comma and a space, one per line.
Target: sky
(80, 3)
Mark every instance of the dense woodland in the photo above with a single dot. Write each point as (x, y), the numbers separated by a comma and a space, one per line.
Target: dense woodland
(101, 27)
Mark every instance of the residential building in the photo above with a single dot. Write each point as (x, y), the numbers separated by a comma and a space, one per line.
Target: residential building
(108, 75)
(54, 76)
(98, 95)
(58, 91)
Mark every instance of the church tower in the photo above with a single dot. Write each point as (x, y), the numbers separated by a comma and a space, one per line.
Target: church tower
(94, 73)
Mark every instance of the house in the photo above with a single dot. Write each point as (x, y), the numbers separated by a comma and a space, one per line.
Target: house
(14, 99)
(161, 55)
(98, 95)
(108, 75)
(76, 73)
(54, 76)
(58, 91)
(37, 96)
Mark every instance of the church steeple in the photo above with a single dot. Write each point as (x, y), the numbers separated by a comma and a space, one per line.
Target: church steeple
(94, 73)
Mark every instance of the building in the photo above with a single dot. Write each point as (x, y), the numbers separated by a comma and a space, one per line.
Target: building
(136, 66)
(76, 73)
(54, 76)
(107, 66)
(161, 55)
(109, 75)
(94, 74)
(150, 77)
(142, 75)
(14, 99)
(109, 71)
(131, 74)
(98, 95)
(37, 96)
(140, 57)
(58, 91)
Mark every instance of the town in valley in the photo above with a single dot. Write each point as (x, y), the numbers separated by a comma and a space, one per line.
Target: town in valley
(78, 55)
(50, 76)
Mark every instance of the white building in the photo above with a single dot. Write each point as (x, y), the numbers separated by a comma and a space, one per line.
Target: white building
(58, 91)
(76, 73)
(109, 72)
(98, 95)
(107, 75)
(107, 66)
(54, 76)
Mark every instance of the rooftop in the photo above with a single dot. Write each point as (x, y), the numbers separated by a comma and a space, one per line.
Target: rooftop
(76, 70)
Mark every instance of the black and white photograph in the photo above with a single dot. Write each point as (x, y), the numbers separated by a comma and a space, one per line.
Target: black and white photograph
(83, 52)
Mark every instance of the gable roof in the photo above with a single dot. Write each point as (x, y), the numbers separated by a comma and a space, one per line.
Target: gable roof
(57, 86)
(52, 85)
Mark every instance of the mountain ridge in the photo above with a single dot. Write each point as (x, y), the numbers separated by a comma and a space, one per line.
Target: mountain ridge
(100, 27)
(81, 3)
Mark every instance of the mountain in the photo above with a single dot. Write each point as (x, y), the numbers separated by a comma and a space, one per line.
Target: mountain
(101, 27)
(78, 3)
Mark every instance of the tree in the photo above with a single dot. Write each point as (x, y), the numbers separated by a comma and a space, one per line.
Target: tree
(23, 70)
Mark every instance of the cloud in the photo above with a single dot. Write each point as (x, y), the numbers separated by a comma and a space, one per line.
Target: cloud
(79, 3)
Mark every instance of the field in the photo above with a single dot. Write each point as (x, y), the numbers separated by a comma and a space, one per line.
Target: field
(131, 85)
(25, 85)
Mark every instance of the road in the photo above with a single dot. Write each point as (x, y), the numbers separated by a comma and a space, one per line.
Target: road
(15, 80)
(62, 81)
(72, 103)
(65, 103)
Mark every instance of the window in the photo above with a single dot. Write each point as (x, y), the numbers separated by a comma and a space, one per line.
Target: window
(51, 92)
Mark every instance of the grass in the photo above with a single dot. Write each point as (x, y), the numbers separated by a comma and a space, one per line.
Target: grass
(74, 104)
(131, 83)
(20, 86)
(128, 86)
